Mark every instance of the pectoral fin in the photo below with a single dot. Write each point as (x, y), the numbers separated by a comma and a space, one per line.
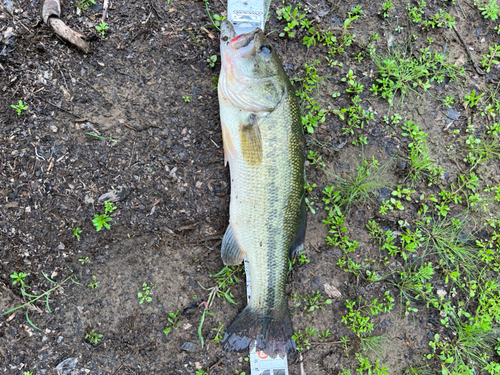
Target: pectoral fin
(251, 142)
(229, 151)
(231, 252)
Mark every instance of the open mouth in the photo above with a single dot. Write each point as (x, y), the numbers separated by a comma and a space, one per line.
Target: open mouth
(244, 40)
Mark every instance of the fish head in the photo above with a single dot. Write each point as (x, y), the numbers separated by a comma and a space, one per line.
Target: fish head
(252, 76)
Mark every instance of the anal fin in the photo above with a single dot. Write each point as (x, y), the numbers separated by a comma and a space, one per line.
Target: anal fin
(231, 252)
(298, 242)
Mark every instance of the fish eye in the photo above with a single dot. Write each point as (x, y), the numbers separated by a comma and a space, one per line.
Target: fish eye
(225, 38)
(265, 49)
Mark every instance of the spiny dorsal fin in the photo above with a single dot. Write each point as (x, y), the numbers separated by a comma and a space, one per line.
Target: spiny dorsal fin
(251, 142)
(231, 253)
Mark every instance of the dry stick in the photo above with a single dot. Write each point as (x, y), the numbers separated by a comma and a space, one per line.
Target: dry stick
(62, 109)
(478, 69)
(105, 10)
(51, 11)
(62, 75)
(8, 11)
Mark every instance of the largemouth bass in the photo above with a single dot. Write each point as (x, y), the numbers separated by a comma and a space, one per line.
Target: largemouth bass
(264, 145)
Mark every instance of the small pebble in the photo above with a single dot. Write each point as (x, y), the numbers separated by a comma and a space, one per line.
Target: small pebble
(188, 347)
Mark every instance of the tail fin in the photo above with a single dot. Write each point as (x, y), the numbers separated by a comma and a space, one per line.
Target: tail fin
(270, 332)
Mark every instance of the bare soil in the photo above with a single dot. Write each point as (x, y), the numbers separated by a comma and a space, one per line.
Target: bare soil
(166, 163)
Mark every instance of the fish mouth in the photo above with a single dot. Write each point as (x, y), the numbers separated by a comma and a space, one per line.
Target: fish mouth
(238, 42)
(243, 40)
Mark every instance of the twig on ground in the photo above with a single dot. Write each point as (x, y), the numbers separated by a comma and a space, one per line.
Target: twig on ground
(302, 372)
(105, 7)
(478, 69)
(62, 109)
(51, 12)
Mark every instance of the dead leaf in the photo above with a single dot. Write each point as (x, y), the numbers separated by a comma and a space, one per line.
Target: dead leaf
(332, 291)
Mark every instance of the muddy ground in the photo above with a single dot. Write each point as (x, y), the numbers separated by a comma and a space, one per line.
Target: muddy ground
(164, 159)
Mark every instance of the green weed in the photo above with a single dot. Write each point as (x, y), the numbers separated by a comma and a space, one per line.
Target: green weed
(357, 188)
(219, 332)
(311, 302)
(302, 339)
(489, 10)
(19, 278)
(34, 298)
(84, 260)
(94, 283)
(367, 367)
(93, 337)
(19, 107)
(491, 57)
(440, 19)
(313, 115)
(145, 294)
(404, 74)
(76, 232)
(212, 60)
(102, 220)
(421, 164)
(218, 19)
(173, 320)
(102, 138)
(84, 5)
(386, 7)
(294, 19)
(359, 319)
(102, 27)
(223, 280)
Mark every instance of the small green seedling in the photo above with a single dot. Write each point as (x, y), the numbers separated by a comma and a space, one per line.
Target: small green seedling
(212, 60)
(219, 333)
(187, 99)
(101, 137)
(84, 260)
(173, 319)
(95, 283)
(491, 58)
(27, 372)
(93, 337)
(19, 107)
(102, 27)
(217, 20)
(386, 7)
(19, 278)
(144, 295)
(315, 160)
(76, 232)
(101, 221)
(85, 4)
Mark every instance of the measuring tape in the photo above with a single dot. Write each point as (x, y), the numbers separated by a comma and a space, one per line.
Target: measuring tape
(261, 363)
